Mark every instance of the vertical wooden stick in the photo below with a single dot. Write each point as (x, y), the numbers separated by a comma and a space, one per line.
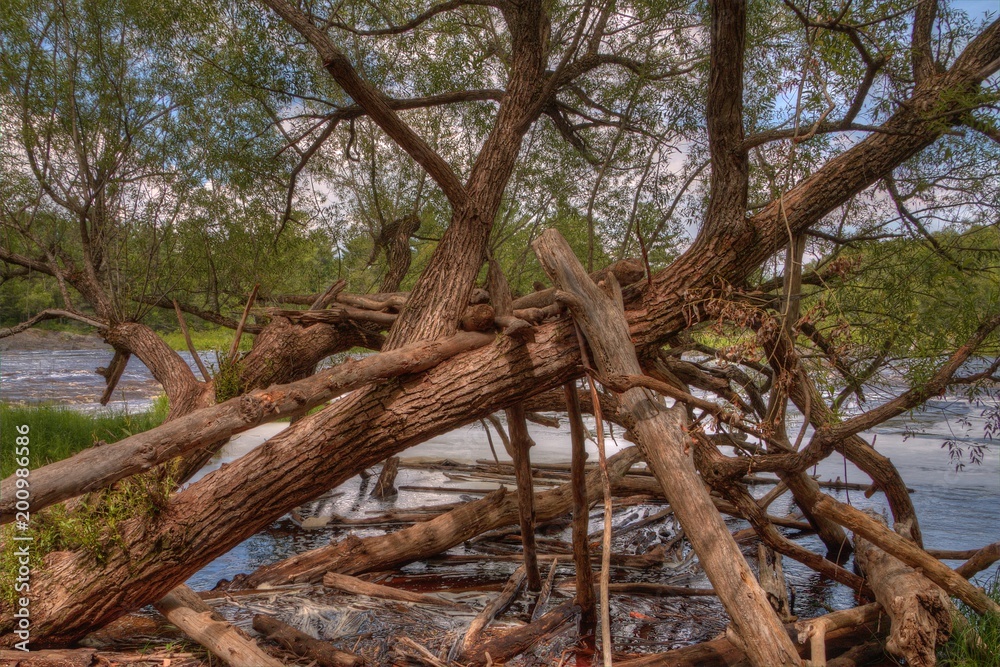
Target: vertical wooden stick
(606, 540)
(187, 339)
(581, 515)
(520, 444)
(234, 348)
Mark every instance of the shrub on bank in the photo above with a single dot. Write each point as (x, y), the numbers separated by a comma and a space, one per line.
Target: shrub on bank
(975, 641)
(56, 433)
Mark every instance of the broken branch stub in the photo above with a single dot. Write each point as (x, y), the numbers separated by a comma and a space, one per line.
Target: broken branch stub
(661, 437)
(920, 611)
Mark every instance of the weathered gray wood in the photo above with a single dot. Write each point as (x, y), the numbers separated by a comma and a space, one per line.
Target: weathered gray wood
(660, 435)
(197, 620)
(921, 612)
(906, 551)
(299, 643)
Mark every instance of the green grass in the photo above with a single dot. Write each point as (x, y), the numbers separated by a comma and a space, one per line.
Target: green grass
(975, 642)
(56, 433)
(206, 340)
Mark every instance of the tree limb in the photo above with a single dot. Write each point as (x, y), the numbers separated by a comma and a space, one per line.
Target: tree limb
(373, 101)
(51, 314)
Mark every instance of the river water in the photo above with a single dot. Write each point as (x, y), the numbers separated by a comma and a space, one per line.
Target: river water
(957, 509)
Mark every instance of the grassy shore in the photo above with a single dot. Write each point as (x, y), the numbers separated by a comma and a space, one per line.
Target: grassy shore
(56, 433)
(206, 340)
(975, 641)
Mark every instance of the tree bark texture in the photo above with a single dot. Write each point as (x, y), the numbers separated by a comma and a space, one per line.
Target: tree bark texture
(920, 611)
(666, 447)
(207, 518)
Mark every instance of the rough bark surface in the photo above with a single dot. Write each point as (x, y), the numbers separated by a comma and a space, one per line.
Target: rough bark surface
(921, 612)
(666, 447)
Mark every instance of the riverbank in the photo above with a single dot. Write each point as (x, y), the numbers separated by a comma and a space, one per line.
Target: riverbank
(39, 338)
(44, 339)
(58, 433)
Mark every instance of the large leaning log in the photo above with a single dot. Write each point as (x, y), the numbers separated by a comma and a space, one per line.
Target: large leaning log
(99, 467)
(666, 447)
(920, 611)
(187, 611)
(353, 555)
(907, 552)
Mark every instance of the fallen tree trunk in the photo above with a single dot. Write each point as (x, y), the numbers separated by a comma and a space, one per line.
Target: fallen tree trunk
(207, 519)
(299, 643)
(907, 552)
(422, 540)
(197, 620)
(920, 611)
(97, 468)
(348, 584)
(660, 434)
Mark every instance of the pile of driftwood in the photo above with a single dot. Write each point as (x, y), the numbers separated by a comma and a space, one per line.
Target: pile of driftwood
(910, 613)
(545, 621)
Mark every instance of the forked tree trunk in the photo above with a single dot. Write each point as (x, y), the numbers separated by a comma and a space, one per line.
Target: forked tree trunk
(661, 436)
(208, 518)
